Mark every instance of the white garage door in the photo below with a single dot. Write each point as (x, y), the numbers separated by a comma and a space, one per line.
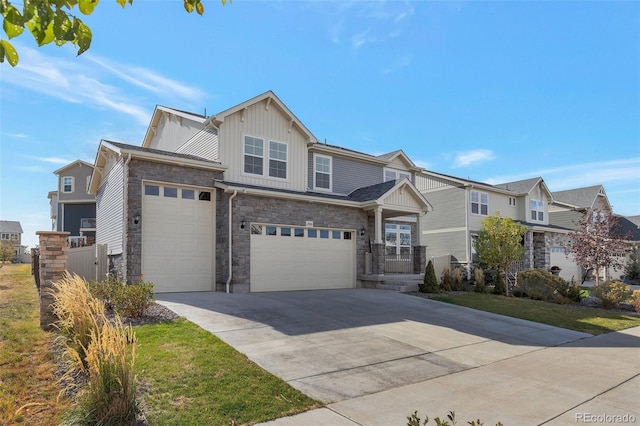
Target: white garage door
(295, 258)
(569, 268)
(177, 238)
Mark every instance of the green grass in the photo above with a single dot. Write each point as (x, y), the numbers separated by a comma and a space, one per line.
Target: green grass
(589, 320)
(193, 378)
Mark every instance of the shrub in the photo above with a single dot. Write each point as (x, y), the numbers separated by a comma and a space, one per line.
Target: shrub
(611, 293)
(540, 284)
(105, 290)
(415, 420)
(635, 300)
(499, 287)
(478, 276)
(446, 279)
(456, 279)
(430, 283)
(133, 300)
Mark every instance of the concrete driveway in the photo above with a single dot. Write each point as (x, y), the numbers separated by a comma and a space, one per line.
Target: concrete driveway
(375, 356)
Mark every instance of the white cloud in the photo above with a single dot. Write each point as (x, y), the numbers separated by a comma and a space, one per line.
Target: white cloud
(468, 158)
(88, 80)
(54, 160)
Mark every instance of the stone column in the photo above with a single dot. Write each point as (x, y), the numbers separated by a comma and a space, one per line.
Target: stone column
(53, 263)
(377, 259)
(419, 259)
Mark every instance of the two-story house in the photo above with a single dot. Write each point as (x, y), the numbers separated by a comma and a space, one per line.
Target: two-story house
(460, 206)
(73, 209)
(249, 200)
(11, 231)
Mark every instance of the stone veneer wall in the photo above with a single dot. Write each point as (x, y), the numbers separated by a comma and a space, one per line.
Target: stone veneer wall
(541, 251)
(279, 212)
(138, 171)
(53, 264)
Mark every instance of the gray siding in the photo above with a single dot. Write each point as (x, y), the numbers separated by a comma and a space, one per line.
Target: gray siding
(349, 174)
(110, 210)
(444, 229)
(443, 243)
(79, 173)
(566, 219)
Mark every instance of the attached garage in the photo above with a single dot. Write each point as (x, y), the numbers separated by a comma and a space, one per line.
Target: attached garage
(301, 258)
(569, 269)
(178, 237)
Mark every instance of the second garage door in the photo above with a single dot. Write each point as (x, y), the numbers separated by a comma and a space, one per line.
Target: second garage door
(177, 238)
(296, 258)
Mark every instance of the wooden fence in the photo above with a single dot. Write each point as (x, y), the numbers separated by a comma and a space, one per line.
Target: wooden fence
(88, 262)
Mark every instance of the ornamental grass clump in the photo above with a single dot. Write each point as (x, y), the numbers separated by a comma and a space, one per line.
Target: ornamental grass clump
(78, 312)
(612, 293)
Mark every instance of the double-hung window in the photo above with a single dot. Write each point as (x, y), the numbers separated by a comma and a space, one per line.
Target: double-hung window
(67, 184)
(479, 203)
(322, 172)
(537, 210)
(254, 158)
(277, 159)
(393, 174)
(253, 155)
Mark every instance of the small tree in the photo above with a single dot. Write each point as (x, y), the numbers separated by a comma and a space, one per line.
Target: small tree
(7, 252)
(598, 243)
(430, 284)
(632, 270)
(499, 243)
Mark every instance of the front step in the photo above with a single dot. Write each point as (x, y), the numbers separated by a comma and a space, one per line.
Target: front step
(400, 287)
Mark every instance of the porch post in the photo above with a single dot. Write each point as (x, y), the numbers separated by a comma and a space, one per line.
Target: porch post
(378, 230)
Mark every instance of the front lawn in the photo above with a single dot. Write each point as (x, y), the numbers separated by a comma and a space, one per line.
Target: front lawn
(186, 375)
(589, 320)
(190, 377)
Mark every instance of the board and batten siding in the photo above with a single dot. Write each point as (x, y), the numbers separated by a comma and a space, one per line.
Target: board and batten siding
(269, 124)
(110, 210)
(172, 132)
(348, 174)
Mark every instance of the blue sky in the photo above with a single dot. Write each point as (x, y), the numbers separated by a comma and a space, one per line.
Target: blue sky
(492, 91)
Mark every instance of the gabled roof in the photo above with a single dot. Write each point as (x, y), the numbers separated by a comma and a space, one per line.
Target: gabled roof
(159, 111)
(465, 182)
(149, 154)
(630, 227)
(11, 226)
(584, 198)
(373, 192)
(72, 164)
(390, 156)
(524, 187)
(271, 98)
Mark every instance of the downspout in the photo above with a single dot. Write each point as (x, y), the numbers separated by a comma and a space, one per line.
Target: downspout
(230, 244)
(125, 213)
(468, 232)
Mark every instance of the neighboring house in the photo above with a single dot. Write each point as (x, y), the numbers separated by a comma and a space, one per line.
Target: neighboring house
(460, 206)
(73, 209)
(568, 209)
(249, 200)
(11, 230)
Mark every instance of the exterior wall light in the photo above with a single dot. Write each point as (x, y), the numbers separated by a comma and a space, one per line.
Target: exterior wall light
(136, 219)
(362, 232)
(243, 223)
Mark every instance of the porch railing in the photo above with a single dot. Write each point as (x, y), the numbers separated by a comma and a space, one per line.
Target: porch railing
(398, 263)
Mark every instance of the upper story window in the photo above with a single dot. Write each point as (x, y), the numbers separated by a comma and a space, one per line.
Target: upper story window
(253, 155)
(9, 236)
(479, 203)
(537, 210)
(393, 174)
(512, 201)
(321, 172)
(67, 184)
(597, 217)
(254, 158)
(277, 159)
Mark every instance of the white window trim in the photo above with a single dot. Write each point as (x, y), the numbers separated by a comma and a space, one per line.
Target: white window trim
(330, 189)
(244, 153)
(266, 145)
(480, 204)
(286, 162)
(73, 181)
(397, 173)
(396, 229)
(537, 210)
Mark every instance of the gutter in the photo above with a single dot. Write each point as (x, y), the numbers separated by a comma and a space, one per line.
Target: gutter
(125, 214)
(230, 243)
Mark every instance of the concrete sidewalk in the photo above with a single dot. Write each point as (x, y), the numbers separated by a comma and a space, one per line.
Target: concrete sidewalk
(375, 357)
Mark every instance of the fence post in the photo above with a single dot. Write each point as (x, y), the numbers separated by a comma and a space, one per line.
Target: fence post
(53, 263)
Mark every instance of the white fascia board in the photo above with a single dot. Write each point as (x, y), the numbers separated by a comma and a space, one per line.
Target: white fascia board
(324, 149)
(68, 166)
